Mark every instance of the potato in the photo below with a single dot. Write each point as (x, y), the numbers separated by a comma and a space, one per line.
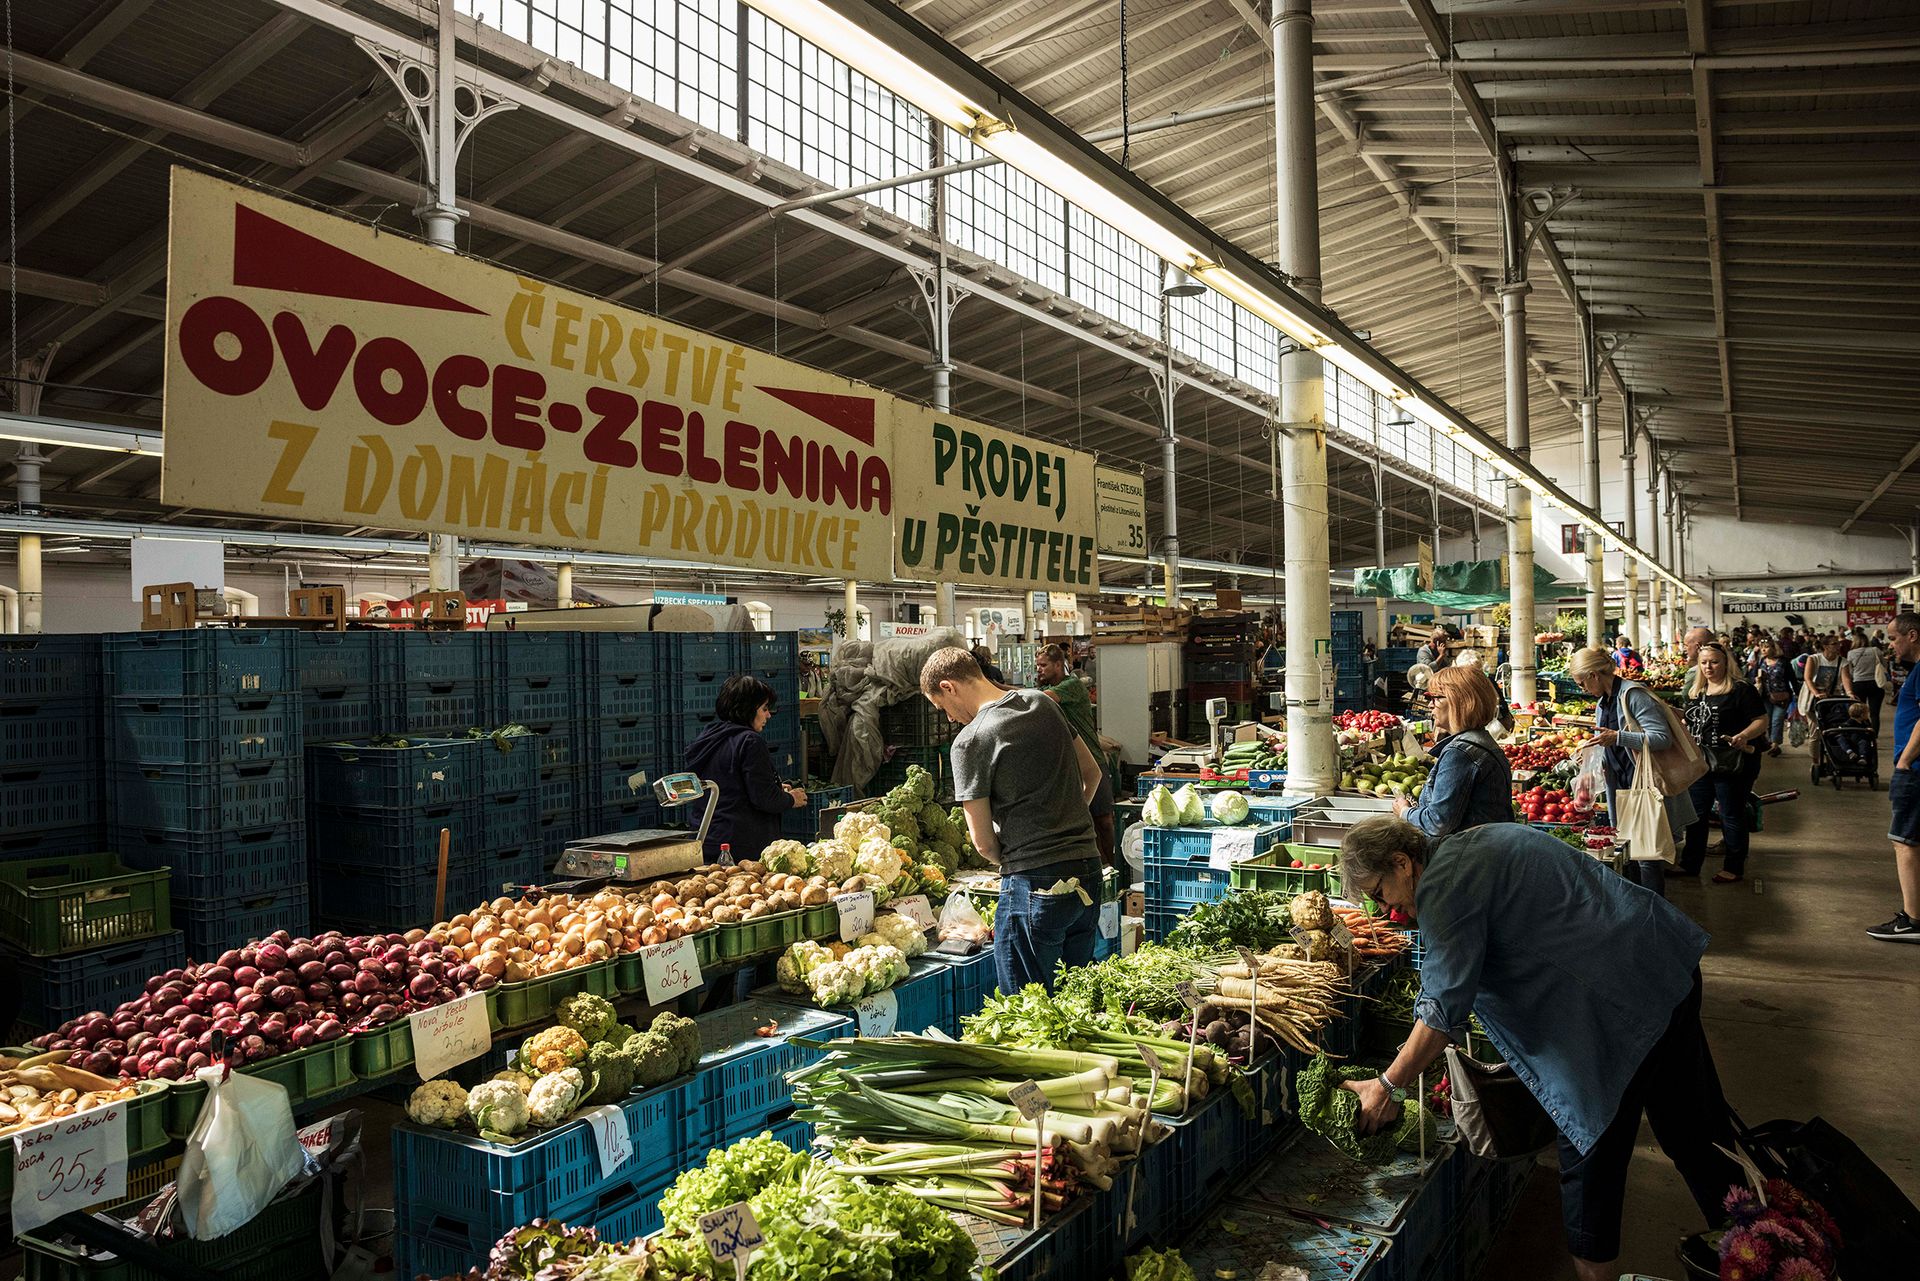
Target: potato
(726, 914)
(814, 896)
(755, 911)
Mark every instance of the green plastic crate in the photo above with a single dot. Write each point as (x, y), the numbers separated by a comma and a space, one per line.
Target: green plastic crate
(146, 1131)
(282, 1243)
(524, 1004)
(821, 922)
(383, 1051)
(768, 934)
(304, 1074)
(1270, 871)
(629, 975)
(68, 904)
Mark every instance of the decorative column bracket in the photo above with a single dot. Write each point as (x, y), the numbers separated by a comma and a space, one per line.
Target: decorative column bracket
(419, 97)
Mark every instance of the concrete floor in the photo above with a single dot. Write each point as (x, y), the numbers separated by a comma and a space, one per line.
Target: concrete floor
(1806, 1014)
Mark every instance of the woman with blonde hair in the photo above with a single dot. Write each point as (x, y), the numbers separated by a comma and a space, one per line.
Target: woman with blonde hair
(1471, 782)
(1727, 718)
(1630, 718)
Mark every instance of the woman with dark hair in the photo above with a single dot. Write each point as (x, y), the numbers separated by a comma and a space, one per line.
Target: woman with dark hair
(732, 753)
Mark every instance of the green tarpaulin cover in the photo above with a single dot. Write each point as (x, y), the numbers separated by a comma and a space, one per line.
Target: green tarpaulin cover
(1459, 585)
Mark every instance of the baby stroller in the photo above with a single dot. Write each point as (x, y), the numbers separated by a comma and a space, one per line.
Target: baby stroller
(1841, 747)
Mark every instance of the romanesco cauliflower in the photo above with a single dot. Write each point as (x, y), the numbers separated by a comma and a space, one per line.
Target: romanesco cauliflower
(789, 857)
(497, 1107)
(593, 1017)
(832, 859)
(555, 1095)
(441, 1103)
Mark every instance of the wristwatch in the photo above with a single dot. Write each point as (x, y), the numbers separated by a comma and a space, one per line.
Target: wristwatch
(1397, 1093)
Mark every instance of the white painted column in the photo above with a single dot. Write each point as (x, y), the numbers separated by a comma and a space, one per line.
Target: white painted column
(1513, 314)
(439, 220)
(563, 590)
(1630, 613)
(32, 584)
(1379, 548)
(852, 607)
(1169, 457)
(1313, 757)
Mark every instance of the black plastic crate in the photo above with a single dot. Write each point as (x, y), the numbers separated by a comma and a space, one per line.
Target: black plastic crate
(436, 712)
(507, 825)
(335, 716)
(427, 773)
(396, 898)
(911, 722)
(220, 865)
(48, 798)
(85, 838)
(214, 925)
(337, 662)
(220, 729)
(623, 656)
(36, 669)
(63, 731)
(191, 664)
(54, 989)
(438, 660)
(211, 798)
(391, 838)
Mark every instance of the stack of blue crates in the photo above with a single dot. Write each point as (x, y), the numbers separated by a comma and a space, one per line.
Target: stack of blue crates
(692, 667)
(437, 684)
(203, 738)
(627, 680)
(343, 691)
(377, 819)
(1349, 641)
(537, 680)
(50, 757)
(1181, 873)
(506, 773)
(775, 658)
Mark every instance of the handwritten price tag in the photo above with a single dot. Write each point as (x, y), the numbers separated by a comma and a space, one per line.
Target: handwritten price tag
(1110, 920)
(916, 909)
(1029, 1099)
(669, 969)
(69, 1164)
(878, 1014)
(1188, 997)
(856, 914)
(448, 1035)
(611, 1136)
(1230, 845)
(732, 1235)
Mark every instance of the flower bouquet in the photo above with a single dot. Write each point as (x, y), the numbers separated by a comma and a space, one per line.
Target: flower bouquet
(1778, 1234)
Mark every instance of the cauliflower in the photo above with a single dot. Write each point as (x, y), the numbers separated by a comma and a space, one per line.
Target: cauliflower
(797, 962)
(789, 857)
(890, 929)
(856, 827)
(440, 1103)
(872, 967)
(551, 1050)
(832, 859)
(555, 1095)
(498, 1107)
(880, 860)
(593, 1017)
(833, 984)
(516, 1078)
(611, 1071)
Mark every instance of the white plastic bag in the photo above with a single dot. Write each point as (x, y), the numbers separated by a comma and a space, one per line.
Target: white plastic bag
(1590, 779)
(960, 920)
(242, 1152)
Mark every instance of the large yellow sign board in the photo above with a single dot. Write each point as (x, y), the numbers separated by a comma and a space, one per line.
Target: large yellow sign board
(319, 370)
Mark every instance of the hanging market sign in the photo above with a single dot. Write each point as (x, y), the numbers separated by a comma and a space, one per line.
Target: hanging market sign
(990, 507)
(1120, 516)
(1871, 606)
(320, 370)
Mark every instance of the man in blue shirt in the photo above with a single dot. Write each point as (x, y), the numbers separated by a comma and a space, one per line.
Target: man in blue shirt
(1903, 789)
(1588, 985)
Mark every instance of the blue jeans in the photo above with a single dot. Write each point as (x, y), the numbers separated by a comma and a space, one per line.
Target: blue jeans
(1731, 791)
(1777, 714)
(1034, 932)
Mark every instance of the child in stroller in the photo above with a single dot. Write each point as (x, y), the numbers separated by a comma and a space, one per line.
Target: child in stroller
(1844, 744)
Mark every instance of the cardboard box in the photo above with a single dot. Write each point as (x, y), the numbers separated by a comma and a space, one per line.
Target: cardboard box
(1134, 903)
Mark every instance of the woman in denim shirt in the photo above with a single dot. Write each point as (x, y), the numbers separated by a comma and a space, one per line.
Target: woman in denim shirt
(1471, 782)
(1588, 986)
(1621, 701)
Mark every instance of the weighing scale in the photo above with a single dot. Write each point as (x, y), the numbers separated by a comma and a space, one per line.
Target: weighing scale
(644, 854)
(1199, 758)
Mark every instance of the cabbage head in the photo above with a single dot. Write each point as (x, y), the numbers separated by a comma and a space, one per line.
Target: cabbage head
(1229, 806)
(1192, 806)
(1160, 809)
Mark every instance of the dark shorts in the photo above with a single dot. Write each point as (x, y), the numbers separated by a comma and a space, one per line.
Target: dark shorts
(1903, 796)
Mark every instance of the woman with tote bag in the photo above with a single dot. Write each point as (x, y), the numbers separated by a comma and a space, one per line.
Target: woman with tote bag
(1727, 718)
(1636, 729)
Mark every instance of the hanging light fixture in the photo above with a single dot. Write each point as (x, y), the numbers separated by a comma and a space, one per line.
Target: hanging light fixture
(1177, 282)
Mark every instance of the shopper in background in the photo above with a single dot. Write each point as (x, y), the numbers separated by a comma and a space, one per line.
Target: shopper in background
(1774, 680)
(1470, 782)
(732, 754)
(1903, 788)
(1690, 645)
(1434, 652)
(1025, 782)
(1629, 717)
(1625, 658)
(1069, 693)
(1860, 675)
(1728, 719)
(1822, 672)
(1590, 989)
(984, 657)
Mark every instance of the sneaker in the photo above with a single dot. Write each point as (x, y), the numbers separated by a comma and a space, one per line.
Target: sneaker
(1901, 929)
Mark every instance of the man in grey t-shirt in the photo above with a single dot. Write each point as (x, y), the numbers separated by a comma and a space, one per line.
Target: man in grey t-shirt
(1024, 779)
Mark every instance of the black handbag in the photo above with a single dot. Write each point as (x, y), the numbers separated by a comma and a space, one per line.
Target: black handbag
(1497, 1115)
(1723, 759)
(1879, 1226)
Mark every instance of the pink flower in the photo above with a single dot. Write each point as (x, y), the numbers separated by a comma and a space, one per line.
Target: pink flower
(1800, 1270)
(1740, 1199)
(1751, 1255)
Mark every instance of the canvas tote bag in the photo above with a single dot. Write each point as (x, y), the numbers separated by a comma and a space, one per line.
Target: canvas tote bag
(1642, 820)
(1674, 769)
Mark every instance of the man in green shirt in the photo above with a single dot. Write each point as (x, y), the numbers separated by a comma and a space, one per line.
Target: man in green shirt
(1070, 692)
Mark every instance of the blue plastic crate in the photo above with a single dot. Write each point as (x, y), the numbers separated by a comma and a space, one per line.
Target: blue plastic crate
(537, 655)
(501, 825)
(558, 830)
(677, 730)
(222, 729)
(191, 664)
(611, 784)
(437, 660)
(220, 865)
(392, 838)
(628, 816)
(559, 790)
(396, 898)
(87, 838)
(623, 656)
(626, 742)
(752, 1069)
(517, 869)
(339, 662)
(786, 756)
(336, 716)
(803, 824)
(1178, 871)
(214, 925)
(38, 669)
(215, 798)
(559, 744)
(547, 701)
(693, 693)
(797, 1135)
(436, 712)
(49, 732)
(54, 989)
(624, 698)
(702, 653)
(771, 651)
(972, 981)
(1277, 811)
(426, 773)
(1081, 1240)
(47, 798)
(507, 766)
(925, 998)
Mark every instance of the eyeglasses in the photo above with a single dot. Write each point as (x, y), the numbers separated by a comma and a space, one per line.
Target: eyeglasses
(1378, 885)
